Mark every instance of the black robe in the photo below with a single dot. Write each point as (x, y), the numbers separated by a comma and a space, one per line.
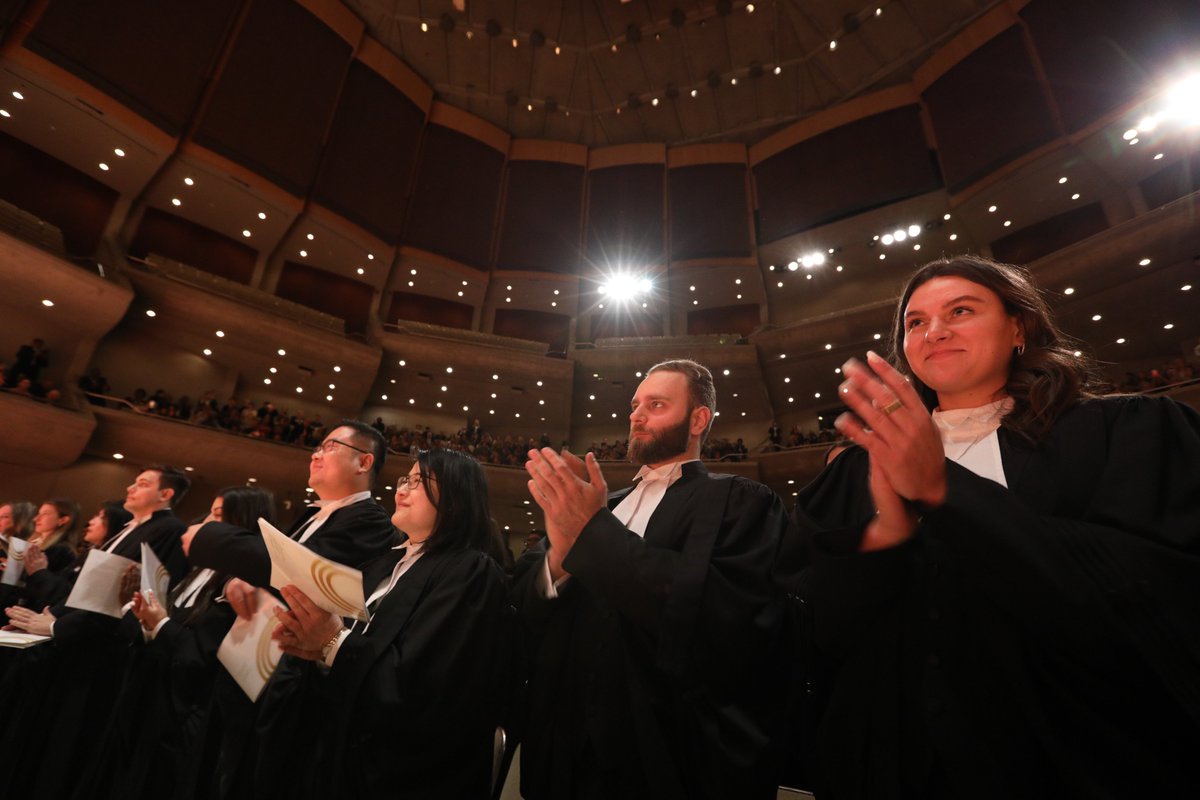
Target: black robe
(70, 684)
(156, 728)
(609, 710)
(1034, 641)
(353, 535)
(410, 707)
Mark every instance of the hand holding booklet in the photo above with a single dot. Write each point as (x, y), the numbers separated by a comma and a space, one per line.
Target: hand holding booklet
(248, 652)
(98, 586)
(332, 586)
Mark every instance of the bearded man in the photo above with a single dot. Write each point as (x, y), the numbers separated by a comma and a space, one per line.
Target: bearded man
(652, 615)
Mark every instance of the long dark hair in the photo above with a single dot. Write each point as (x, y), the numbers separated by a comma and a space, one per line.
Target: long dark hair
(1045, 380)
(241, 506)
(116, 517)
(463, 521)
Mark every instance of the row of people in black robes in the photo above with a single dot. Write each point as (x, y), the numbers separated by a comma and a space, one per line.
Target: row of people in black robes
(995, 599)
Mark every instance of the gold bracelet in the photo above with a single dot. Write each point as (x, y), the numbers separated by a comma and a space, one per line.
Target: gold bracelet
(325, 648)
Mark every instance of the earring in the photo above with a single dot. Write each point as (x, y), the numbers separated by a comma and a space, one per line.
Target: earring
(1020, 350)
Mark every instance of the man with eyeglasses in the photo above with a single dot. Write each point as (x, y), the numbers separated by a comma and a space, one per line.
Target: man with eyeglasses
(345, 525)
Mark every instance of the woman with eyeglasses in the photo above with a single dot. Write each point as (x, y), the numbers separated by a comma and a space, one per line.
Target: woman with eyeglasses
(406, 704)
(1004, 594)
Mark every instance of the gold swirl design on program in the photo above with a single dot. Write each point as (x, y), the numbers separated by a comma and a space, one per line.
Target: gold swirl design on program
(18, 555)
(161, 576)
(265, 659)
(325, 576)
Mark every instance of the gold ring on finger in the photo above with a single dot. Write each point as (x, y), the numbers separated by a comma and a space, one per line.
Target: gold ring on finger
(892, 406)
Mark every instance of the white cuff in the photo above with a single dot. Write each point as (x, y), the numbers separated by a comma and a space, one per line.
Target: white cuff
(333, 648)
(546, 587)
(149, 635)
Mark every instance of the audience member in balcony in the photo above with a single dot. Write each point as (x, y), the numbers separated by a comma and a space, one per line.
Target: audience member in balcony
(93, 382)
(153, 743)
(345, 525)
(69, 688)
(410, 702)
(31, 359)
(988, 581)
(774, 436)
(652, 616)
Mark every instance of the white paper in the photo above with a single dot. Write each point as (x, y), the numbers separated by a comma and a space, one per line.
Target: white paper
(331, 586)
(20, 639)
(248, 652)
(98, 586)
(15, 566)
(155, 577)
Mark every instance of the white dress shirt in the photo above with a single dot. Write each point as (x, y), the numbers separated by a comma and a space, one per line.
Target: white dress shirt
(969, 438)
(327, 507)
(412, 553)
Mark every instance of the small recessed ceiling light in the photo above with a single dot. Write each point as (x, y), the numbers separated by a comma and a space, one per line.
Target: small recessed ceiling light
(1145, 262)
(118, 456)
(777, 71)
(4, 113)
(410, 283)
(48, 303)
(412, 271)
(103, 166)
(119, 152)
(1069, 290)
(281, 351)
(150, 312)
(787, 380)
(1063, 179)
(360, 272)
(190, 182)
(310, 237)
(991, 209)
(1187, 287)
(1122, 339)
(495, 377)
(18, 95)
(1168, 326)
(220, 334)
(954, 237)
(725, 372)
(1096, 318)
(246, 233)
(877, 337)
(267, 381)
(460, 294)
(424, 27)
(304, 254)
(1158, 157)
(175, 201)
(207, 352)
(412, 401)
(337, 369)
(331, 386)
(328, 397)
(273, 370)
(1130, 134)
(1075, 196)
(833, 44)
(262, 215)
(1007, 223)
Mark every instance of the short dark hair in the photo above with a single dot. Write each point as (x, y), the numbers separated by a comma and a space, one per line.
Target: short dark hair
(463, 521)
(171, 478)
(369, 439)
(1043, 381)
(701, 390)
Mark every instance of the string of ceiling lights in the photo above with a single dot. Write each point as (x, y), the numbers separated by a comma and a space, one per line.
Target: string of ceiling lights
(634, 35)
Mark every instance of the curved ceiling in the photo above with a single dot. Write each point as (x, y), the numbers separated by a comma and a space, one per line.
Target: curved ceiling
(602, 72)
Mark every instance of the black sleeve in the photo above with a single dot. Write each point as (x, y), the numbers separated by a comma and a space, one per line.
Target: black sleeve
(1126, 571)
(232, 551)
(845, 590)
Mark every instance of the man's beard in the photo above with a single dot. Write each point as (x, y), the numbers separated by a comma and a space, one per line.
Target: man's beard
(662, 445)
